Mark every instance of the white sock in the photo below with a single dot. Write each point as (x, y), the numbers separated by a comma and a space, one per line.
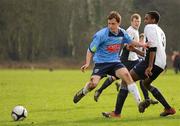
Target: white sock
(86, 89)
(132, 88)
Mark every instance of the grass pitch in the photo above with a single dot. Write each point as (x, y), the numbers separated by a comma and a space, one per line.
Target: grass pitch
(48, 99)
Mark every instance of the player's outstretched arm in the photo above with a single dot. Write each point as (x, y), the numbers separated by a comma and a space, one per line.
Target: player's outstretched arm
(139, 44)
(88, 60)
(132, 48)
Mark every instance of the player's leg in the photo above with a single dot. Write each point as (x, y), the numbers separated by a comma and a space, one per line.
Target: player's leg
(130, 66)
(124, 90)
(144, 90)
(146, 94)
(156, 71)
(124, 74)
(118, 85)
(122, 95)
(88, 87)
(107, 82)
(168, 110)
(137, 73)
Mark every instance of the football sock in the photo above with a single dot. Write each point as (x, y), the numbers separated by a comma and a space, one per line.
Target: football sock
(123, 93)
(144, 90)
(86, 89)
(134, 90)
(157, 94)
(106, 83)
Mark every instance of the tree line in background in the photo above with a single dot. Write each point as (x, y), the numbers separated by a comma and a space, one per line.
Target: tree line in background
(33, 30)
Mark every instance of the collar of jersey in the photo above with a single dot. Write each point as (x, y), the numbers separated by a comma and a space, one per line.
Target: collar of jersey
(120, 34)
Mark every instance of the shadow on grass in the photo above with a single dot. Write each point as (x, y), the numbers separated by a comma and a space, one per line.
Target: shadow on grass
(74, 108)
(59, 109)
(135, 119)
(16, 123)
(90, 121)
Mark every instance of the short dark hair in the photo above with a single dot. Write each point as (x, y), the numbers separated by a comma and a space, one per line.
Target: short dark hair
(115, 15)
(154, 15)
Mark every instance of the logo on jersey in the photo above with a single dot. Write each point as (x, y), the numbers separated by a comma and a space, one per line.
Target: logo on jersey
(96, 70)
(113, 48)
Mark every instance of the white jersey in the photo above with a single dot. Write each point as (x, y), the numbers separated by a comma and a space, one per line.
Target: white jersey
(156, 38)
(134, 34)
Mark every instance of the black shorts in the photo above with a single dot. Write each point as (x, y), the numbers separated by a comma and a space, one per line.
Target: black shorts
(104, 69)
(140, 68)
(130, 64)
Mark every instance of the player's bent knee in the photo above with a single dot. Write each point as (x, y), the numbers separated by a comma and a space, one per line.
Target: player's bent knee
(127, 75)
(92, 85)
(127, 78)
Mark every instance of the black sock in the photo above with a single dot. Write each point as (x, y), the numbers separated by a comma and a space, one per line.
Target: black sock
(120, 100)
(144, 90)
(157, 94)
(106, 83)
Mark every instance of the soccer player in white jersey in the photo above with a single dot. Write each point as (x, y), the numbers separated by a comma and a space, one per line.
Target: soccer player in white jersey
(150, 68)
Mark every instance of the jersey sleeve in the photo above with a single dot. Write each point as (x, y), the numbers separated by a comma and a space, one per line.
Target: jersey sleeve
(127, 38)
(95, 43)
(130, 33)
(151, 36)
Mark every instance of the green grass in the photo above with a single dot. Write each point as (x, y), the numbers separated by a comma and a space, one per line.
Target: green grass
(48, 99)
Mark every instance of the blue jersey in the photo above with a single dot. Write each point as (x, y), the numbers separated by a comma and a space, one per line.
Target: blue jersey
(106, 45)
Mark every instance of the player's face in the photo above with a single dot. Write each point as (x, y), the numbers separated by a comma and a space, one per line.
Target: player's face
(148, 19)
(113, 25)
(135, 23)
(141, 39)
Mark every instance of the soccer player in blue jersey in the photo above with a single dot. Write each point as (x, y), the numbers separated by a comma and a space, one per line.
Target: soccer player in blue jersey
(129, 56)
(150, 68)
(104, 49)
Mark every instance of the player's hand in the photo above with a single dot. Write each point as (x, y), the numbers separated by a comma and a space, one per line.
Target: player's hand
(130, 47)
(148, 71)
(145, 45)
(84, 67)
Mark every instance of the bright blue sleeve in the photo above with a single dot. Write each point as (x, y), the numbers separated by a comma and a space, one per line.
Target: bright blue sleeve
(127, 38)
(95, 43)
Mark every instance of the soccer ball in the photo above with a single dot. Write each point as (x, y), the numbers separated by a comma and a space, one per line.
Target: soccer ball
(19, 113)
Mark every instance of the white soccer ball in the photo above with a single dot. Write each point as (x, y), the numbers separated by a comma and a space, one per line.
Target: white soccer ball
(19, 113)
